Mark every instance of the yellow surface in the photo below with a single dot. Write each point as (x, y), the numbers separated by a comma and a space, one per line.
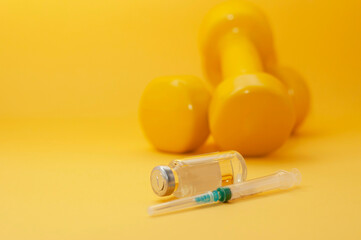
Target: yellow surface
(74, 164)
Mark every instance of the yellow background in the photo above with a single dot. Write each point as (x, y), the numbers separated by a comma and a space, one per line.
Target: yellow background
(75, 165)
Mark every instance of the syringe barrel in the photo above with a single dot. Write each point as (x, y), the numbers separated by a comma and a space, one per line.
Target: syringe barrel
(279, 180)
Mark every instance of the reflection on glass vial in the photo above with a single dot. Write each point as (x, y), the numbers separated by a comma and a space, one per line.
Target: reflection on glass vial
(198, 174)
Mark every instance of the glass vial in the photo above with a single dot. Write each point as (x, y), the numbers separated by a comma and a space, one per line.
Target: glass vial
(198, 174)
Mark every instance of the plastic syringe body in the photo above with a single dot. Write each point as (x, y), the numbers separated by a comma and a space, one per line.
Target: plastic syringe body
(279, 180)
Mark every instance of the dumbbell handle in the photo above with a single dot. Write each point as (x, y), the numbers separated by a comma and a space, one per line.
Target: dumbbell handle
(238, 55)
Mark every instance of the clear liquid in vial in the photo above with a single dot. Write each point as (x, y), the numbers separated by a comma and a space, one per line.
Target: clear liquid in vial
(207, 172)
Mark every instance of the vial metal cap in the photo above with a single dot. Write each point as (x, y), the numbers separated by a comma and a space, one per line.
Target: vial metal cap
(162, 180)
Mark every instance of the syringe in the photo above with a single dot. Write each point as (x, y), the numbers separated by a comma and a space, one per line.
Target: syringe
(279, 180)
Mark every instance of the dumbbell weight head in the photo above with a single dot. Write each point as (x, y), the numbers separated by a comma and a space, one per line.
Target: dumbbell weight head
(298, 90)
(251, 114)
(174, 113)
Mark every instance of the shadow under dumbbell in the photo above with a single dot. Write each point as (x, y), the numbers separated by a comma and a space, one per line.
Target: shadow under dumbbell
(208, 147)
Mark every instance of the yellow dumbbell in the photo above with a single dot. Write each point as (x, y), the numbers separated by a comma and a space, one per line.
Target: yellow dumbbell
(251, 111)
(174, 113)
